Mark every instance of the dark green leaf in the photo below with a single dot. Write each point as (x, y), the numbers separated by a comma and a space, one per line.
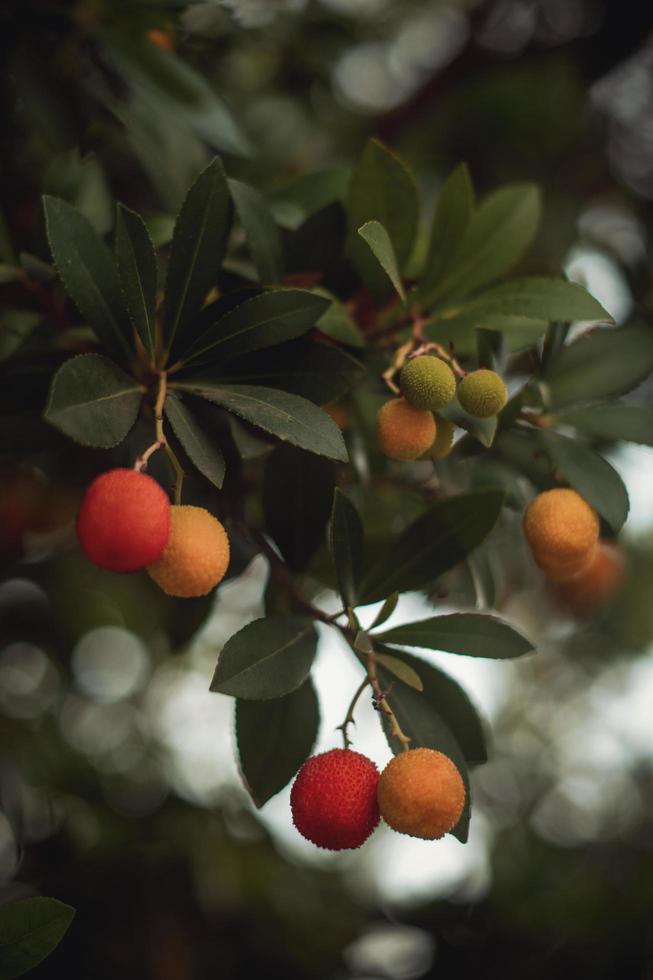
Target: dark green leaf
(461, 328)
(591, 475)
(380, 245)
(398, 668)
(338, 323)
(484, 430)
(346, 543)
(138, 274)
(311, 192)
(381, 189)
(261, 231)
(297, 495)
(274, 739)
(497, 236)
(452, 214)
(317, 371)
(386, 610)
(30, 929)
(200, 448)
(470, 634)
(601, 365)
(15, 328)
(618, 421)
(538, 298)
(288, 417)
(267, 659)
(198, 247)
(490, 349)
(93, 401)
(264, 320)
(87, 271)
(433, 544)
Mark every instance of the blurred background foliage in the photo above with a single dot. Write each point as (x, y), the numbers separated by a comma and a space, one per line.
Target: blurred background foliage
(119, 790)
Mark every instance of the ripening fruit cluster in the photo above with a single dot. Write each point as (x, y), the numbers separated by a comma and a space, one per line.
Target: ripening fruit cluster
(562, 531)
(408, 427)
(126, 523)
(338, 797)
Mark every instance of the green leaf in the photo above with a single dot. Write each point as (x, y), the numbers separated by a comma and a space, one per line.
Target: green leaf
(386, 610)
(470, 634)
(297, 495)
(461, 328)
(603, 364)
(336, 322)
(381, 189)
(401, 670)
(138, 273)
(198, 247)
(312, 192)
(87, 271)
(497, 236)
(274, 739)
(591, 475)
(536, 297)
(346, 543)
(618, 421)
(15, 328)
(483, 430)
(30, 929)
(452, 215)
(261, 231)
(288, 417)
(433, 544)
(201, 449)
(93, 401)
(262, 321)
(380, 245)
(267, 659)
(318, 371)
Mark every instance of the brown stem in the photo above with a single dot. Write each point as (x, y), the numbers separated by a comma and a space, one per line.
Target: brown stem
(381, 701)
(349, 717)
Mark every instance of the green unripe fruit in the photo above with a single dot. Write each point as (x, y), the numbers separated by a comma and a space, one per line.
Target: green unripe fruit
(482, 393)
(443, 439)
(427, 382)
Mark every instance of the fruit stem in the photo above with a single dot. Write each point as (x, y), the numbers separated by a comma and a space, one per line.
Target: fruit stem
(381, 701)
(160, 440)
(349, 717)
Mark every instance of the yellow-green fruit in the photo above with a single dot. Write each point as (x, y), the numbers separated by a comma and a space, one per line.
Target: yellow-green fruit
(482, 393)
(402, 431)
(421, 793)
(196, 556)
(427, 382)
(443, 439)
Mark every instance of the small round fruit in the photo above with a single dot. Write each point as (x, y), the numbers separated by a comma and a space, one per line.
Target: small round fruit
(562, 571)
(404, 432)
(333, 799)
(123, 522)
(443, 439)
(482, 393)
(427, 382)
(561, 529)
(421, 793)
(339, 412)
(598, 584)
(196, 557)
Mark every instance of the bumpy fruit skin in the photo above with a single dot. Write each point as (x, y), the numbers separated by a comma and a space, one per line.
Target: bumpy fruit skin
(562, 530)
(427, 382)
(598, 584)
(443, 439)
(333, 799)
(123, 522)
(402, 431)
(482, 393)
(421, 793)
(196, 557)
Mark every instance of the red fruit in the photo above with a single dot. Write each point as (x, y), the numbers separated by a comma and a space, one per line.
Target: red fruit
(124, 520)
(333, 799)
